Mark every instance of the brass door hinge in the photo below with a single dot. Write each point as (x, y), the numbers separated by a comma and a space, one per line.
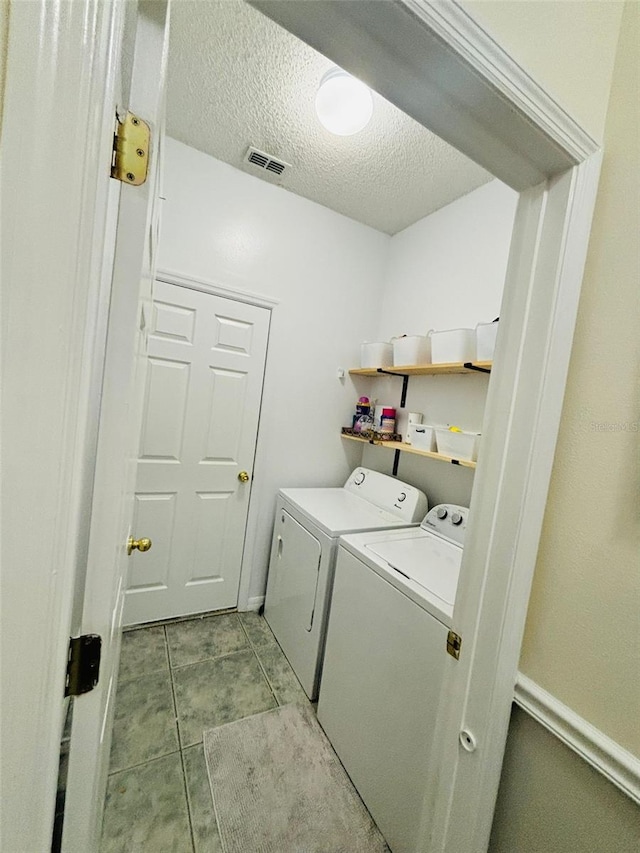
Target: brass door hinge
(83, 664)
(131, 141)
(454, 644)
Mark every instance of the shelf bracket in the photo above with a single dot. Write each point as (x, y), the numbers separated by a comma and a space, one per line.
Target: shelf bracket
(396, 462)
(405, 383)
(471, 366)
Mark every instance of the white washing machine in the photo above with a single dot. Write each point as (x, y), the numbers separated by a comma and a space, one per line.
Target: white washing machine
(385, 661)
(308, 525)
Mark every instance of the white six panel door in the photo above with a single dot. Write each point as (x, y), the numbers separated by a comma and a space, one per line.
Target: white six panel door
(202, 402)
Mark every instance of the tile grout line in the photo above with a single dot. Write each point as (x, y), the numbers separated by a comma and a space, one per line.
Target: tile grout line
(215, 657)
(184, 772)
(264, 672)
(143, 763)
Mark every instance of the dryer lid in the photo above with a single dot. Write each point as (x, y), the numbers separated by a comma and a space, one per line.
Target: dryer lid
(428, 560)
(337, 511)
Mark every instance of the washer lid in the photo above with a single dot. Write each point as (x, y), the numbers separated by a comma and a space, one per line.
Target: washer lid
(337, 511)
(427, 560)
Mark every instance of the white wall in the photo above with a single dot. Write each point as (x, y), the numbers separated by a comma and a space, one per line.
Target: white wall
(326, 271)
(587, 581)
(552, 801)
(568, 47)
(445, 271)
(329, 274)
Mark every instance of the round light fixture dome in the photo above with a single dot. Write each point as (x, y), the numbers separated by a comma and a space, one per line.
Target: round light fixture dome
(344, 105)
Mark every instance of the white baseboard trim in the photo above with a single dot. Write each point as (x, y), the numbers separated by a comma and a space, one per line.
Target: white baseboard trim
(255, 603)
(620, 767)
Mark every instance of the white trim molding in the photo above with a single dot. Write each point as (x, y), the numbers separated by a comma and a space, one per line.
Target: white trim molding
(216, 288)
(620, 767)
(449, 66)
(254, 603)
(457, 27)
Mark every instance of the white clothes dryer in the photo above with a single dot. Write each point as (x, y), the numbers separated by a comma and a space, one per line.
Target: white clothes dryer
(385, 662)
(308, 524)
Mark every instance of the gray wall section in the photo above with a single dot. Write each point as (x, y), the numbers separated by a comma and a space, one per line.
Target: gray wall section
(551, 801)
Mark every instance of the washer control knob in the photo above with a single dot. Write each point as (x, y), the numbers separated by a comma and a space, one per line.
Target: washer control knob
(456, 518)
(442, 512)
(359, 478)
(402, 497)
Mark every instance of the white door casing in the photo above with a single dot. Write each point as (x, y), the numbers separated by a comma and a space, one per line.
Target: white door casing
(432, 60)
(120, 418)
(206, 362)
(435, 62)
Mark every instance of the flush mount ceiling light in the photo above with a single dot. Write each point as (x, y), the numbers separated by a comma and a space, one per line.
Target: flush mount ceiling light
(344, 105)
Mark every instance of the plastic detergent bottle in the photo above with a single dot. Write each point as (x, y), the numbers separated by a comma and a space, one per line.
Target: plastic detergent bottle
(362, 417)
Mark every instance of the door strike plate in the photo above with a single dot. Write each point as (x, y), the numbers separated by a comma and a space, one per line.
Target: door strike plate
(454, 644)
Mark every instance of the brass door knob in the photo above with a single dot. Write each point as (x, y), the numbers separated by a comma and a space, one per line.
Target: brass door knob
(140, 544)
(243, 476)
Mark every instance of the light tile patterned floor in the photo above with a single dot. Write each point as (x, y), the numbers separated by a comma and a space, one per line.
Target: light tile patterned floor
(177, 680)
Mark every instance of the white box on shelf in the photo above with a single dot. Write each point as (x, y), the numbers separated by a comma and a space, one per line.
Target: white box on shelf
(378, 354)
(486, 334)
(458, 445)
(453, 346)
(411, 349)
(422, 437)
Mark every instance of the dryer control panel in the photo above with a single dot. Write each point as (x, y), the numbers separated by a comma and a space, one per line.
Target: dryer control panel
(388, 493)
(448, 521)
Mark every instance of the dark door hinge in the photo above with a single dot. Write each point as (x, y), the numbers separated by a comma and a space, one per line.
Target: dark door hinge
(83, 664)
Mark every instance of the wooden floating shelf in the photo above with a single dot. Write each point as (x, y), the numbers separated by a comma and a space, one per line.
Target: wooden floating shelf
(424, 369)
(409, 448)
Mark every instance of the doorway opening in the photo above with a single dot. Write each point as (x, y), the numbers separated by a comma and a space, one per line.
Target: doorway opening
(400, 250)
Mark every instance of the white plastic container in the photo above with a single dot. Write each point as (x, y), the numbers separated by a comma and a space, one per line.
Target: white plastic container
(458, 445)
(453, 346)
(486, 334)
(411, 349)
(376, 355)
(422, 437)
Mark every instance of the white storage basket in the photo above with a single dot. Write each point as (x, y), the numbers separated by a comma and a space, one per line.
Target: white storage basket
(453, 346)
(411, 349)
(486, 334)
(458, 445)
(376, 355)
(422, 437)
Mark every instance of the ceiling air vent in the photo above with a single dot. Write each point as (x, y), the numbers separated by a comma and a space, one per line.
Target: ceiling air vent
(266, 163)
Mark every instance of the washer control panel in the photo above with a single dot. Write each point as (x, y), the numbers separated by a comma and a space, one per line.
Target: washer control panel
(448, 521)
(389, 494)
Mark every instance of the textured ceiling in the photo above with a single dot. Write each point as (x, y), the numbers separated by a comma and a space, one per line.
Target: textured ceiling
(238, 79)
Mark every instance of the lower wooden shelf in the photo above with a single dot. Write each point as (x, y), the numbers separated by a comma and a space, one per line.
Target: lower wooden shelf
(409, 448)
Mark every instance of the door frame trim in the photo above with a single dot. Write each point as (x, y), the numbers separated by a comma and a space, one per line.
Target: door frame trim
(216, 288)
(435, 62)
(61, 60)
